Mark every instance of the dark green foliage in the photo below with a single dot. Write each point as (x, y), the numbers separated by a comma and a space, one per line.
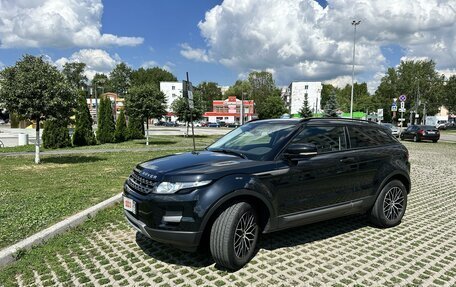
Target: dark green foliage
(83, 133)
(271, 107)
(305, 111)
(135, 128)
(106, 125)
(120, 78)
(450, 95)
(74, 73)
(331, 107)
(153, 76)
(181, 110)
(209, 92)
(55, 134)
(145, 102)
(121, 128)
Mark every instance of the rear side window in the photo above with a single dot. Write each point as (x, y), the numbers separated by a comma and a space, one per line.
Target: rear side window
(367, 137)
(325, 138)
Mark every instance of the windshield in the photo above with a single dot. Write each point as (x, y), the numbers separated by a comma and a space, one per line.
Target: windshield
(256, 140)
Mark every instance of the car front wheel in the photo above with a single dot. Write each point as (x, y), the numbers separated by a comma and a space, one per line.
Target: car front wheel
(389, 208)
(234, 235)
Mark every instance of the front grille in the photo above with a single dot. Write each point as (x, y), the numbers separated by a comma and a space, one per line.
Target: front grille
(140, 184)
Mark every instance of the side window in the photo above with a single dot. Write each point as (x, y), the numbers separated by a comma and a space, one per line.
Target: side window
(325, 138)
(368, 137)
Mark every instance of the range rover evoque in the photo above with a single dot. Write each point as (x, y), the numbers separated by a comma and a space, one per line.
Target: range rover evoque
(266, 176)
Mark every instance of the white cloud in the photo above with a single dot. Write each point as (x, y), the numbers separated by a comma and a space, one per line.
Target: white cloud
(56, 23)
(198, 55)
(300, 40)
(96, 60)
(149, 64)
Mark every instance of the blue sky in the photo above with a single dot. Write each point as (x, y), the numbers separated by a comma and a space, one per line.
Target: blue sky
(296, 40)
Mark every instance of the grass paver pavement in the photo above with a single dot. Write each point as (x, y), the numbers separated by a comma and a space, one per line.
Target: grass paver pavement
(421, 251)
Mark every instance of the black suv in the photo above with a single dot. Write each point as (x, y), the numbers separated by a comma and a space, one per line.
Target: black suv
(266, 176)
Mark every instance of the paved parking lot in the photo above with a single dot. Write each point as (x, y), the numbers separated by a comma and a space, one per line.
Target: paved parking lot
(342, 252)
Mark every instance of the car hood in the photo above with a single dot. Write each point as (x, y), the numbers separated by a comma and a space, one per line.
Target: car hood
(198, 166)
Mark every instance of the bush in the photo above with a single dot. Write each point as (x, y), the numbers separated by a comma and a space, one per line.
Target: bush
(55, 134)
(121, 128)
(83, 133)
(135, 129)
(106, 125)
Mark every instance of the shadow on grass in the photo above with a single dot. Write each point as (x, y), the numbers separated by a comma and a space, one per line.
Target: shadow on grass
(285, 238)
(71, 159)
(159, 142)
(170, 254)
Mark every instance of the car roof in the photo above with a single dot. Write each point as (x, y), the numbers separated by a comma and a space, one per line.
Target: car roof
(336, 121)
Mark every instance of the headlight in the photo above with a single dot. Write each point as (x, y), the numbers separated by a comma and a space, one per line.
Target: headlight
(173, 187)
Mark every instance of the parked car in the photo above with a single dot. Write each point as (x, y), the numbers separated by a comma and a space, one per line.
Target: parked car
(171, 124)
(266, 176)
(221, 123)
(394, 130)
(418, 133)
(213, 125)
(442, 125)
(233, 125)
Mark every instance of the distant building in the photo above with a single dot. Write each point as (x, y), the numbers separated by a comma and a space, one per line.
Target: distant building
(293, 96)
(172, 91)
(229, 110)
(117, 103)
(223, 89)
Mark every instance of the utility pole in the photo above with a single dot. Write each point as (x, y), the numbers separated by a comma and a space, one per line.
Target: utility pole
(354, 23)
(242, 109)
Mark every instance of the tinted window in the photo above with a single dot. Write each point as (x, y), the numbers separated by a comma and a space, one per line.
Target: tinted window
(367, 137)
(326, 139)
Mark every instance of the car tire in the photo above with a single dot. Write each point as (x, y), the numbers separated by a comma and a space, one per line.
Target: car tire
(416, 138)
(389, 208)
(434, 141)
(234, 235)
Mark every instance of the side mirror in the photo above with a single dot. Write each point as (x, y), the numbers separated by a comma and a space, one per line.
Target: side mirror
(300, 150)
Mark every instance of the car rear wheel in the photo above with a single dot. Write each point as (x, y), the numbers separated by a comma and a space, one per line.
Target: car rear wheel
(416, 138)
(389, 208)
(234, 235)
(434, 141)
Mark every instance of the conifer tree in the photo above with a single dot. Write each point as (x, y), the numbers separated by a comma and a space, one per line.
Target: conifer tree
(331, 106)
(83, 134)
(121, 128)
(55, 134)
(106, 125)
(135, 128)
(305, 111)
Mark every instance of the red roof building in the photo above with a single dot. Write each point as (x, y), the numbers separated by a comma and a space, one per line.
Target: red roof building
(229, 110)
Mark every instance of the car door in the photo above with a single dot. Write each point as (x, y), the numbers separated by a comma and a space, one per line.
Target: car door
(317, 181)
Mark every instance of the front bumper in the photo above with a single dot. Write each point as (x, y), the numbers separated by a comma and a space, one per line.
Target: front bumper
(185, 240)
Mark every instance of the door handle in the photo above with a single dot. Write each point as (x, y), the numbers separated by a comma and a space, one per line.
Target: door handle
(347, 160)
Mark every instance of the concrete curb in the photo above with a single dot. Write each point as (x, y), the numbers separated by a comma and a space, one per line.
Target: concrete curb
(7, 255)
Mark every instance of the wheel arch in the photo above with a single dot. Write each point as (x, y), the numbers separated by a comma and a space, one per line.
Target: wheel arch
(262, 206)
(402, 177)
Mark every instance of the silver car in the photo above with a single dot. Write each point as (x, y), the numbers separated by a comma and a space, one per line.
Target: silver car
(394, 130)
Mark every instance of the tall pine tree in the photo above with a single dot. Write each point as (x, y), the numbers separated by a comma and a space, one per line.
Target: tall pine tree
(305, 111)
(121, 128)
(331, 107)
(83, 133)
(135, 128)
(106, 125)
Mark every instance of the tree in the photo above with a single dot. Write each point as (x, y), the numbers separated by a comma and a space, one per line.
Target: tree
(262, 85)
(305, 111)
(271, 107)
(326, 91)
(106, 125)
(121, 128)
(450, 95)
(153, 75)
(330, 110)
(83, 133)
(209, 92)
(120, 78)
(36, 90)
(181, 109)
(55, 134)
(145, 102)
(238, 89)
(74, 73)
(135, 128)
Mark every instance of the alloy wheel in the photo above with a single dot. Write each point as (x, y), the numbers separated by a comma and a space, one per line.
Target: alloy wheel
(244, 236)
(393, 204)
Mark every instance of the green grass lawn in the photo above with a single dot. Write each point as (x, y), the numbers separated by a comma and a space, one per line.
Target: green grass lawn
(40, 256)
(154, 142)
(33, 197)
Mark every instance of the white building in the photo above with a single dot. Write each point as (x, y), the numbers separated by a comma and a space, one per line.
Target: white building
(295, 93)
(172, 91)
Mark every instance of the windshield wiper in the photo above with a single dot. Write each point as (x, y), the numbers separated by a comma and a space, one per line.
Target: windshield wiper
(228, 151)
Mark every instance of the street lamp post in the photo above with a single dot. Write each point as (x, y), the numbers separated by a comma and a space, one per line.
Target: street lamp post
(354, 23)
